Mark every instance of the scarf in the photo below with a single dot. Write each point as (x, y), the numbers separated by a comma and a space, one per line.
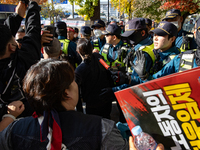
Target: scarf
(50, 129)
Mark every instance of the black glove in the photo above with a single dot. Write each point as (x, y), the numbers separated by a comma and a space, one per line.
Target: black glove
(129, 58)
(140, 67)
(107, 93)
(120, 78)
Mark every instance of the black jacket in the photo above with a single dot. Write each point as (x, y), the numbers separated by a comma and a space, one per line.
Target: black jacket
(92, 77)
(14, 68)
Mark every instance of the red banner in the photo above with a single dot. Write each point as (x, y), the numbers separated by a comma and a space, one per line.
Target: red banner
(167, 108)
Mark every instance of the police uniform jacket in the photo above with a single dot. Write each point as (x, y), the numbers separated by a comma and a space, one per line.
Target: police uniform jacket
(113, 52)
(100, 42)
(72, 51)
(171, 67)
(134, 77)
(179, 40)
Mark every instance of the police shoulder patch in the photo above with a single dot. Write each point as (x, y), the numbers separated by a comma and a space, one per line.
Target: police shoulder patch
(142, 47)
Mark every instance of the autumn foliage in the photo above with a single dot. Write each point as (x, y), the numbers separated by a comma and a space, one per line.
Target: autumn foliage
(15, 2)
(183, 5)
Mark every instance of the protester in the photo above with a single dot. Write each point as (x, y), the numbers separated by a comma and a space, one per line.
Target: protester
(42, 26)
(92, 77)
(52, 91)
(76, 35)
(70, 34)
(19, 36)
(14, 61)
(99, 39)
(185, 40)
(54, 51)
(132, 145)
(14, 110)
(55, 123)
(46, 37)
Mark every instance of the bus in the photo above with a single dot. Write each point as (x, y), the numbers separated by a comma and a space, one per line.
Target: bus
(5, 11)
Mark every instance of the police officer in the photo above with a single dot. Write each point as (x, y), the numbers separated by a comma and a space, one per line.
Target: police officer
(68, 47)
(121, 24)
(149, 26)
(164, 44)
(114, 51)
(148, 23)
(184, 61)
(85, 32)
(137, 33)
(185, 40)
(99, 39)
(164, 47)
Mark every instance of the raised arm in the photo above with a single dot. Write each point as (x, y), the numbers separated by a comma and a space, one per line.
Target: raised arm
(14, 20)
(31, 47)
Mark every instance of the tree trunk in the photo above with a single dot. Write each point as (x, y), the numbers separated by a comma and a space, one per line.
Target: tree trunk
(52, 7)
(130, 12)
(96, 14)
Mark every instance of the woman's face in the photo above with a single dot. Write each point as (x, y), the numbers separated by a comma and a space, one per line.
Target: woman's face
(72, 99)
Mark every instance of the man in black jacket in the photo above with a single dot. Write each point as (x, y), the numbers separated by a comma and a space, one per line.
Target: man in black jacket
(15, 62)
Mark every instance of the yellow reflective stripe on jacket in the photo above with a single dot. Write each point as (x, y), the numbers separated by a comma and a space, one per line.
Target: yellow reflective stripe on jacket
(64, 45)
(96, 44)
(168, 60)
(116, 64)
(149, 50)
(182, 48)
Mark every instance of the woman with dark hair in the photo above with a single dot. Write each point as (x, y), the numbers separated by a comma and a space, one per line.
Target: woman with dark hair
(50, 88)
(91, 78)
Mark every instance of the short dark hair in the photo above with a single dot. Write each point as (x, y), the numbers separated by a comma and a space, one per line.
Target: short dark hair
(61, 29)
(170, 36)
(118, 36)
(5, 37)
(45, 84)
(84, 47)
(76, 30)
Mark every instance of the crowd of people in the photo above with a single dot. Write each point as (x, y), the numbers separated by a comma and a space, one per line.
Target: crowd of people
(45, 77)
